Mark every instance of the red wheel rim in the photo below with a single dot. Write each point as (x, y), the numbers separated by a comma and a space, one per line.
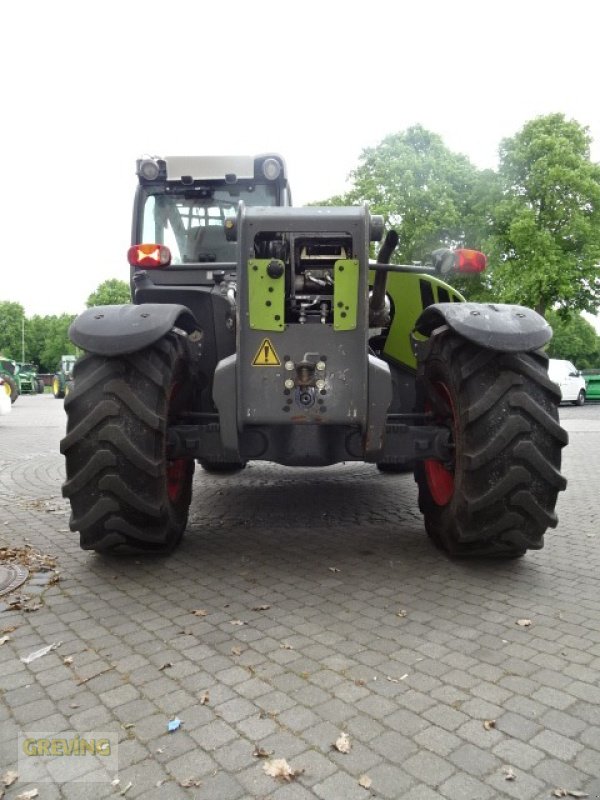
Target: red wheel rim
(440, 479)
(176, 472)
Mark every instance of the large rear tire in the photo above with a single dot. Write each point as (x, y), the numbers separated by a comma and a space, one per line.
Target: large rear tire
(58, 389)
(13, 388)
(496, 496)
(122, 488)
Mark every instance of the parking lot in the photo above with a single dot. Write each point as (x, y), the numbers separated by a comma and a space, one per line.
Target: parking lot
(304, 603)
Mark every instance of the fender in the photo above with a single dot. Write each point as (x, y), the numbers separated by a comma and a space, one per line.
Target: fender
(119, 330)
(495, 326)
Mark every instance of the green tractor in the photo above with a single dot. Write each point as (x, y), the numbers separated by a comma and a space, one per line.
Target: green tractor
(259, 331)
(29, 382)
(8, 371)
(62, 382)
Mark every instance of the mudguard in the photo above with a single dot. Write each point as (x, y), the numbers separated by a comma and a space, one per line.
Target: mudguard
(119, 330)
(507, 328)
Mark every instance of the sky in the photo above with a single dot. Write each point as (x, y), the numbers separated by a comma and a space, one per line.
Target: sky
(87, 88)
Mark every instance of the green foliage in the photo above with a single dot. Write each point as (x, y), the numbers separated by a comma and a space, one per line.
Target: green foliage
(47, 339)
(546, 243)
(574, 340)
(11, 321)
(430, 195)
(110, 292)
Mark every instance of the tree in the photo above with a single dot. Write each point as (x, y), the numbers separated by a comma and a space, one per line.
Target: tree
(574, 340)
(430, 195)
(547, 224)
(47, 339)
(11, 322)
(110, 292)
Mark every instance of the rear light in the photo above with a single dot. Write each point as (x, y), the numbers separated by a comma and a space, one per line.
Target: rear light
(470, 261)
(150, 256)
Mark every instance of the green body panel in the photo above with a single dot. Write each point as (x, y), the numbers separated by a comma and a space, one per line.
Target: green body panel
(345, 294)
(592, 387)
(408, 292)
(266, 296)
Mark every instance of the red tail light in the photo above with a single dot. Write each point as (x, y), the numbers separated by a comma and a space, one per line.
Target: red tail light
(151, 256)
(470, 261)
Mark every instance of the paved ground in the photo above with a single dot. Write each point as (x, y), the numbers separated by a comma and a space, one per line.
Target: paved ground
(316, 564)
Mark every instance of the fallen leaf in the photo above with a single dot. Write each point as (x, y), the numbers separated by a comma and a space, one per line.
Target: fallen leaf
(160, 782)
(73, 705)
(342, 743)
(569, 793)
(236, 651)
(261, 608)
(524, 623)
(128, 725)
(279, 768)
(165, 666)
(360, 682)
(125, 789)
(260, 752)
(365, 781)
(237, 622)
(188, 782)
(43, 651)
(115, 782)
(397, 680)
(509, 775)
(68, 660)
(402, 613)
(9, 777)
(488, 724)
(4, 639)
(8, 629)
(29, 795)
(173, 725)
(200, 612)
(333, 569)
(204, 698)
(285, 646)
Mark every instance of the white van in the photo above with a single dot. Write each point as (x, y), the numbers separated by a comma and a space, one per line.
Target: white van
(569, 380)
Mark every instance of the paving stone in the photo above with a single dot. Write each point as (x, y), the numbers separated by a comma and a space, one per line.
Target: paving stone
(391, 781)
(474, 760)
(437, 740)
(428, 768)
(465, 787)
(518, 754)
(339, 786)
(393, 747)
(557, 745)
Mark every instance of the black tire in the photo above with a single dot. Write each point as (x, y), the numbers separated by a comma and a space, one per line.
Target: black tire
(222, 467)
(14, 389)
(122, 488)
(580, 399)
(39, 386)
(58, 388)
(497, 496)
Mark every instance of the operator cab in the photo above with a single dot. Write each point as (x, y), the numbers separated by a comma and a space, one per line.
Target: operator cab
(186, 203)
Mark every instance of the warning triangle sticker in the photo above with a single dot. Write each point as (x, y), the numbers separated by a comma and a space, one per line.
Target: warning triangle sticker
(266, 356)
